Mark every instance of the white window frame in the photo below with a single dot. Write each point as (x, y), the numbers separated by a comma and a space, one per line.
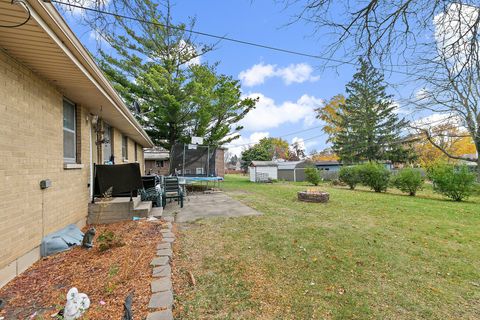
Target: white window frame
(74, 131)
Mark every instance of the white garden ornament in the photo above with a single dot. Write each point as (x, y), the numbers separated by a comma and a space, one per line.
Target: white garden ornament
(77, 304)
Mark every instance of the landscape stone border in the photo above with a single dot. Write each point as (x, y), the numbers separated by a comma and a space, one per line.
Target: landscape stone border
(161, 286)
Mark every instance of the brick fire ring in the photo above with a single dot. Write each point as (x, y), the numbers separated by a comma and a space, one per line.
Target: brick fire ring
(318, 196)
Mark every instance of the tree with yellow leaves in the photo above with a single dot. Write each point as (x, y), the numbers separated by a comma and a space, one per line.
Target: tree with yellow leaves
(446, 137)
(329, 113)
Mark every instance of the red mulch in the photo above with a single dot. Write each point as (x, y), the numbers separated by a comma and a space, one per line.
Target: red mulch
(107, 276)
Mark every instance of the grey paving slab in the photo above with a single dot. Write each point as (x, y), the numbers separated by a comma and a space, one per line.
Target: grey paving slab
(168, 219)
(163, 271)
(160, 315)
(200, 206)
(161, 284)
(161, 300)
(168, 234)
(164, 245)
(165, 230)
(168, 240)
(165, 252)
(160, 261)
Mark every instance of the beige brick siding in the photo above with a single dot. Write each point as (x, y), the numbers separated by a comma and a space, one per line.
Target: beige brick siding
(31, 144)
(220, 162)
(151, 167)
(31, 149)
(141, 158)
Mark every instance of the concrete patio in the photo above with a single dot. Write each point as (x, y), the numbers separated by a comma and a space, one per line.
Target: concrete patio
(208, 205)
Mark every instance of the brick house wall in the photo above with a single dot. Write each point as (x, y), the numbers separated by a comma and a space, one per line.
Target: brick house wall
(31, 144)
(31, 150)
(151, 167)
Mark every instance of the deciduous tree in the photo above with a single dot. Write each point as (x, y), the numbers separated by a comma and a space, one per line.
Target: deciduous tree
(157, 67)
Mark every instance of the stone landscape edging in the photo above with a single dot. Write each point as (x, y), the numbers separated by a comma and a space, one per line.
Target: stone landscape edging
(161, 286)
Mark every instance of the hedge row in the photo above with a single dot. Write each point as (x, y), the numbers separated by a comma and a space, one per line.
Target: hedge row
(455, 182)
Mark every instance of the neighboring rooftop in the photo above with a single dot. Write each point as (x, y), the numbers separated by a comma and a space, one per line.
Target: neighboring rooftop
(327, 163)
(156, 153)
(263, 164)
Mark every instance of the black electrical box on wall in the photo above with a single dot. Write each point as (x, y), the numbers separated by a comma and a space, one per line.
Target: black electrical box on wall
(44, 184)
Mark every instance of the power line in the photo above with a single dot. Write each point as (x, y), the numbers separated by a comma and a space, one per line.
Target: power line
(282, 136)
(205, 34)
(290, 144)
(27, 10)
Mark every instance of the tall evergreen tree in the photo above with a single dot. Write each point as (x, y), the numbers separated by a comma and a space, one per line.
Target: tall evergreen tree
(157, 67)
(369, 127)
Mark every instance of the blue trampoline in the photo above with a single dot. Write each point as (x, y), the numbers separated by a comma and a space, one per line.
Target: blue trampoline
(202, 178)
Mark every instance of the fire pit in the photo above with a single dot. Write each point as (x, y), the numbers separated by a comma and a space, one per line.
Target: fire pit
(313, 196)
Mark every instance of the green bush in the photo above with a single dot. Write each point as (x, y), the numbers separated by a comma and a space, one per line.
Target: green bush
(375, 176)
(108, 240)
(350, 176)
(457, 183)
(408, 181)
(312, 175)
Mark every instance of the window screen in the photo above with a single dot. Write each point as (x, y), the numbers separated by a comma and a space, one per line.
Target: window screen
(124, 147)
(69, 132)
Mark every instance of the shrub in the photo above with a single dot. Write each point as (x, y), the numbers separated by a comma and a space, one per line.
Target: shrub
(375, 176)
(350, 176)
(108, 240)
(408, 181)
(457, 183)
(312, 175)
(337, 182)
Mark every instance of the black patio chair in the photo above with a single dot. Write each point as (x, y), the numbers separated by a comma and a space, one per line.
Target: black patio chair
(172, 190)
(151, 190)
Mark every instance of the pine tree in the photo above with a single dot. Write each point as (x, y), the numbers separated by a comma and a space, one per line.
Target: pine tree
(369, 127)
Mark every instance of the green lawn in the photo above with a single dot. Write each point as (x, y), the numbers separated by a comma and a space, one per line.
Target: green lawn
(363, 255)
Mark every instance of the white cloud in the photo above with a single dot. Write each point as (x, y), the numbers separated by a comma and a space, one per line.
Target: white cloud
(237, 146)
(268, 114)
(98, 37)
(401, 110)
(257, 74)
(189, 49)
(437, 119)
(454, 31)
(294, 73)
(422, 94)
(297, 73)
(299, 141)
(92, 4)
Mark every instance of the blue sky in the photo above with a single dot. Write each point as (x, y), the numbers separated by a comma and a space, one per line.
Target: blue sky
(289, 86)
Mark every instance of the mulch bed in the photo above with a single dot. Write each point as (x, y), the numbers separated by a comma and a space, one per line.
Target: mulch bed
(106, 277)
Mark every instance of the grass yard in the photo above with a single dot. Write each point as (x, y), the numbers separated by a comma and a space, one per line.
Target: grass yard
(363, 255)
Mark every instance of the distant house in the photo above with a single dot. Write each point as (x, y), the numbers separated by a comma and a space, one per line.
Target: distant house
(328, 165)
(336, 165)
(293, 170)
(472, 162)
(261, 171)
(59, 116)
(157, 161)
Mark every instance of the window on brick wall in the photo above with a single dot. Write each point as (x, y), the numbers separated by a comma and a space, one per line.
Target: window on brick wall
(107, 144)
(125, 147)
(136, 152)
(69, 132)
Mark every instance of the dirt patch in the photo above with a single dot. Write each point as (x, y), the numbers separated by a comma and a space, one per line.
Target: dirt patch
(106, 277)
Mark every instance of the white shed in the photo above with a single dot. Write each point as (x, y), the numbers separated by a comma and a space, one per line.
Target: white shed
(261, 171)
